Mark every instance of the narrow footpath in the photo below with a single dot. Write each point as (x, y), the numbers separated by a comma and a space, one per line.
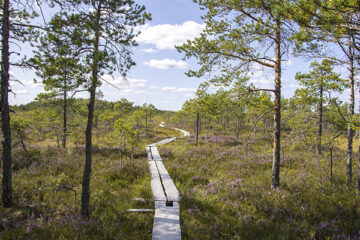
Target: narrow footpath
(166, 196)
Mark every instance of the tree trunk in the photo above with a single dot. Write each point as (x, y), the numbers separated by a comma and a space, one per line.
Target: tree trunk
(275, 178)
(200, 124)
(85, 195)
(22, 137)
(264, 130)
(65, 117)
(96, 123)
(331, 164)
(197, 127)
(146, 125)
(358, 176)
(320, 121)
(237, 132)
(5, 111)
(351, 113)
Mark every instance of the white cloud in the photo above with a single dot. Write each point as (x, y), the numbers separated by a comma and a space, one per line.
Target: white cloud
(174, 89)
(166, 63)
(262, 81)
(154, 87)
(31, 83)
(136, 83)
(150, 50)
(168, 88)
(127, 83)
(132, 91)
(185, 90)
(167, 36)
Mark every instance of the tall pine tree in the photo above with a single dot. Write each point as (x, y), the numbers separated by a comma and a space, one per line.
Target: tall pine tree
(239, 34)
(58, 62)
(106, 34)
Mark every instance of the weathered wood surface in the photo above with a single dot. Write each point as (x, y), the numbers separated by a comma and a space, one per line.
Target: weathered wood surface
(171, 191)
(167, 218)
(155, 153)
(140, 210)
(167, 140)
(139, 199)
(156, 184)
(166, 222)
(185, 133)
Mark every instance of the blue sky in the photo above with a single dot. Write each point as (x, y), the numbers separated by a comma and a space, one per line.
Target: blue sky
(158, 78)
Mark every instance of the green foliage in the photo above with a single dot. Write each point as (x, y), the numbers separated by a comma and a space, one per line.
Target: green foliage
(321, 78)
(226, 194)
(312, 100)
(48, 189)
(235, 36)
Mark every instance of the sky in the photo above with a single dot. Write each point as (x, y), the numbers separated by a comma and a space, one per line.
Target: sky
(159, 75)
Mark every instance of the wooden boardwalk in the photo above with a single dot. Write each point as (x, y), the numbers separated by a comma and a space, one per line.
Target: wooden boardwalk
(166, 196)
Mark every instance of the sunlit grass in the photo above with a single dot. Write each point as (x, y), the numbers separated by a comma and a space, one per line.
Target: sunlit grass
(226, 194)
(47, 191)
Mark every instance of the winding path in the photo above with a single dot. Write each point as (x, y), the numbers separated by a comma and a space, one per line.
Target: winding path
(166, 196)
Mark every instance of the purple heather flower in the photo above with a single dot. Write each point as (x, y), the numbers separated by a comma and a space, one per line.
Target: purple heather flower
(197, 177)
(324, 225)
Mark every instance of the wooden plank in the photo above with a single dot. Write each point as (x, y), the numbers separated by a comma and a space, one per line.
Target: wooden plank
(166, 222)
(157, 188)
(170, 189)
(154, 151)
(150, 156)
(155, 154)
(165, 141)
(140, 210)
(148, 150)
(153, 168)
(167, 218)
(139, 199)
(185, 133)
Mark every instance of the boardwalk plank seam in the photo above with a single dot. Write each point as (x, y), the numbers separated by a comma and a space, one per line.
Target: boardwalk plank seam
(166, 196)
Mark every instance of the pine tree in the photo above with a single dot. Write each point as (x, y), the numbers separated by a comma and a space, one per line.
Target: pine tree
(325, 26)
(15, 29)
(57, 61)
(315, 84)
(106, 34)
(237, 35)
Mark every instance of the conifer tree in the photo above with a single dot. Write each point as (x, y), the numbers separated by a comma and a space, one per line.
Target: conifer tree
(106, 34)
(325, 32)
(237, 35)
(315, 84)
(58, 62)
(16, 28)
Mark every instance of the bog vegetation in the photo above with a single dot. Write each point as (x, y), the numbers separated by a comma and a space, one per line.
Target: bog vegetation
(258, 165)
